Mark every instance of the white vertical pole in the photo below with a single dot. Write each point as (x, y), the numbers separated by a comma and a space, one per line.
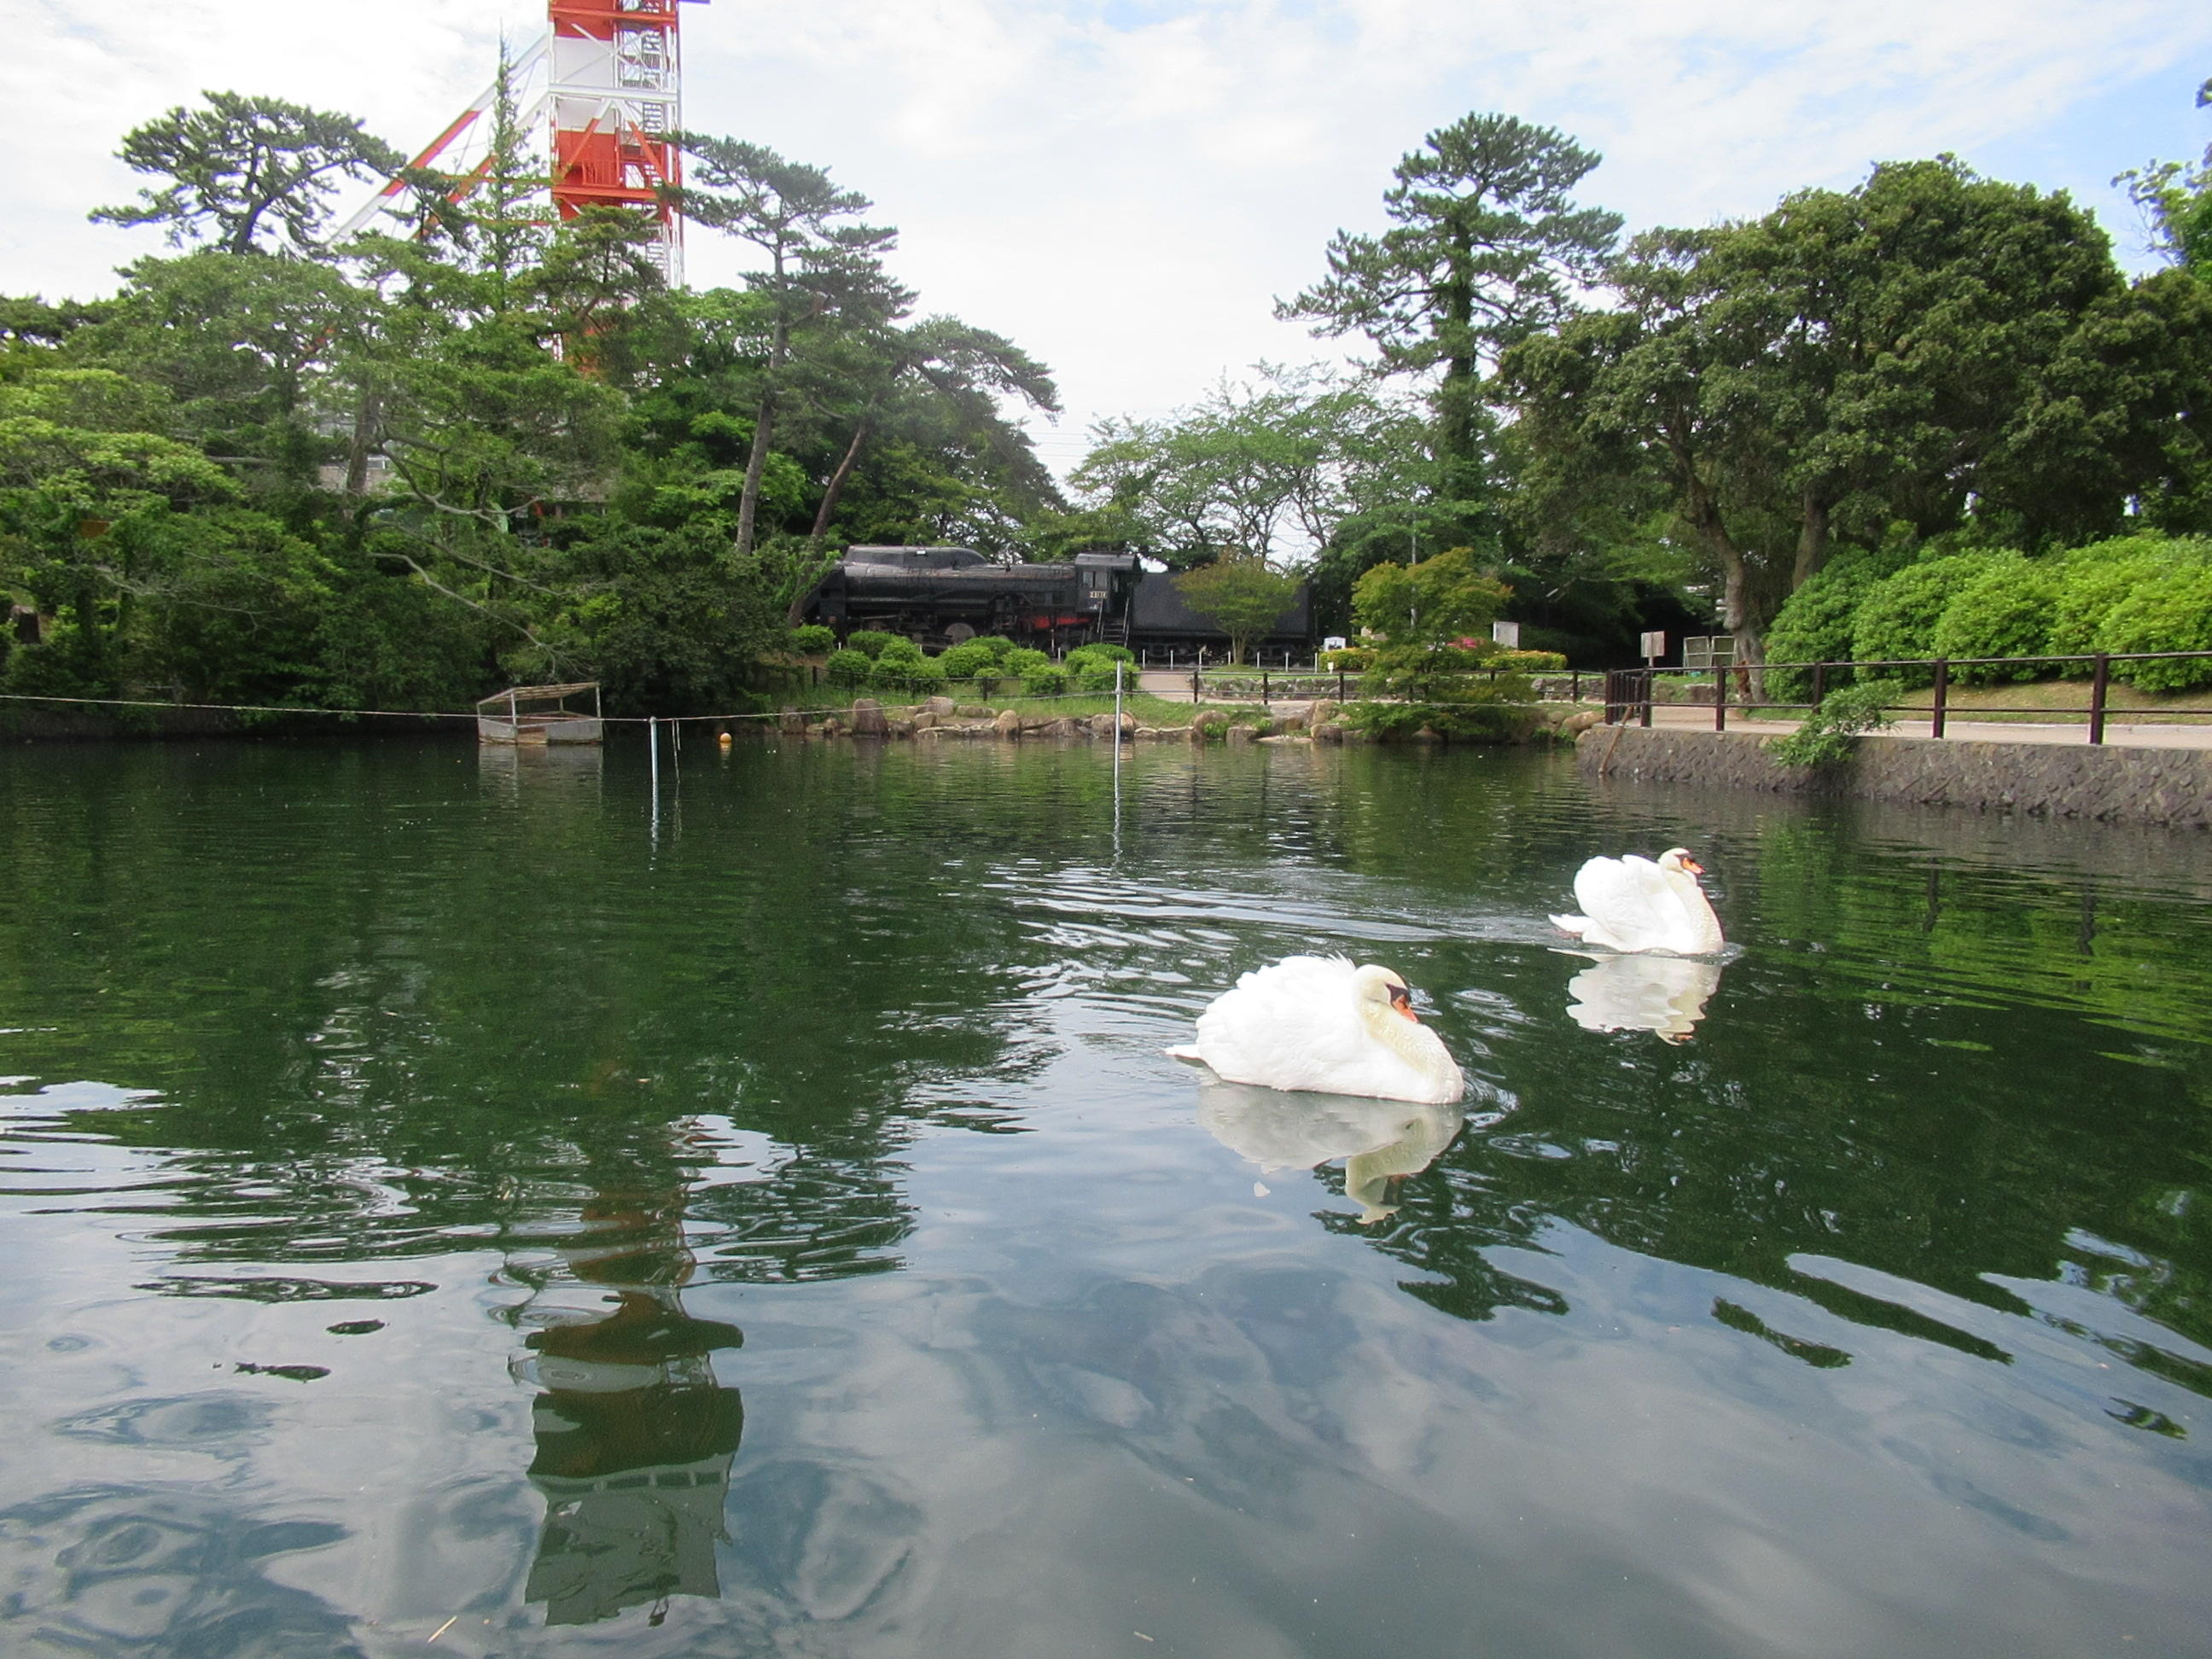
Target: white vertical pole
(652, 748)
(1117, 757)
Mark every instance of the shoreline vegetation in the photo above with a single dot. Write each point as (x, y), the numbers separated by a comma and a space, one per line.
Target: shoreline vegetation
(1926, 416)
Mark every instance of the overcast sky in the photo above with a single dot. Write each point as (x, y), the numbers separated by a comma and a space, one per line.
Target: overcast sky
(1125, 186)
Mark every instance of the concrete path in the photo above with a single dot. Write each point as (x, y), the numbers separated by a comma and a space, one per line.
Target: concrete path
(1694, 717)
(1173, 686)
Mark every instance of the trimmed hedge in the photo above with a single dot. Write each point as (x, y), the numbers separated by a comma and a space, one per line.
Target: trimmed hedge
(813, 639)
(2173, 613)
(2004, 612)
(1897, 619)
(872, 641)
(848, 668)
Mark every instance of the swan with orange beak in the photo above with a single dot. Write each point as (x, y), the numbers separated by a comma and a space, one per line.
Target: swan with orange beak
(1633, 904)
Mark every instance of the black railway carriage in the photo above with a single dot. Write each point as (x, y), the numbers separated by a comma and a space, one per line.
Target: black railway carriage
(942, 595)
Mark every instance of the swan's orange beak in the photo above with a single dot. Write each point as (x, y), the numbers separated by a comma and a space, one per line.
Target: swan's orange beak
(1403, 1001)
(1694, 866)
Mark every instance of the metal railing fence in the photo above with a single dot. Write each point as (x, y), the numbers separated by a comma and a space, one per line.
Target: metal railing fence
(1631, 693)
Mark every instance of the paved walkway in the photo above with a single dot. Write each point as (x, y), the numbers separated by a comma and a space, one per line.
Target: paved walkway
(1695, 717)
(1174, 687)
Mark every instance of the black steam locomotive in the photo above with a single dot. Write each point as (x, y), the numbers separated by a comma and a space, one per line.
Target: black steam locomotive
(943, 595)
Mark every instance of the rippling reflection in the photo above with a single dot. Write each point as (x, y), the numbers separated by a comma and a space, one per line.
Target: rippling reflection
(1379, 1140)
(1665, 994)
(635, 1433)
(394, 1145)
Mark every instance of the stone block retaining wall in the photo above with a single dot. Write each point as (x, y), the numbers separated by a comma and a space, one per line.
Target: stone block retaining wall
(2109, 782)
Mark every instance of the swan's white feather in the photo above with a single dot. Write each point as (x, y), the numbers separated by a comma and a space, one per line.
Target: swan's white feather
(1297, 1025)
(1633, 903)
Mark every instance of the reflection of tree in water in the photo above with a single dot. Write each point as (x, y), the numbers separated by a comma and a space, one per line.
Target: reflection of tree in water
(635, 1432)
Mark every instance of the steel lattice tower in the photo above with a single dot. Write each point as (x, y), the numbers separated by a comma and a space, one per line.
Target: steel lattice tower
(606, 79)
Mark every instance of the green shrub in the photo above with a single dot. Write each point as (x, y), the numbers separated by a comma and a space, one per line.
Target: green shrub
(897, 674)
(997, 644)
(2004, 612)
(1814, 625)
(1049, 681)
(1099, 651)
(2100, 576)
(1832, 731)
(1527, 662)
(872, 641)
(2173, 613)
(901, 647)
(1098, 678)
(1021, 662)
(1897, 620)
(1351, 659)
(1459, 706)
(848, 668)
(966, 662)
(813, 639)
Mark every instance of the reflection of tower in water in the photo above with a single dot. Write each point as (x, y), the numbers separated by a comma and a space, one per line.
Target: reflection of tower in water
(635, 1434)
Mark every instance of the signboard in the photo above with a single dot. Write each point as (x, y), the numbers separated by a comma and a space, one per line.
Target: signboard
(1655, 647)
(1333, 642)
(1505, 633)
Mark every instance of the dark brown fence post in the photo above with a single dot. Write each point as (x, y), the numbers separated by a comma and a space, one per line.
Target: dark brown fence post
(1942, 694)
(2098, 685)
(1648, 688)
(1720, 700)
(1339, 685)
(1575, 685)
(1819, 682)
(1263, 688)
(1193, 683)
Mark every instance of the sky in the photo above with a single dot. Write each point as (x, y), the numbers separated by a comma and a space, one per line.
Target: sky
(1125, 186)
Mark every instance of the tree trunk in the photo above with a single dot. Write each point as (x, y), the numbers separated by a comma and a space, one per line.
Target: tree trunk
(1812, 542)
(1738, 614)
(756, 464)
(364, 423)
(764, 423)
(837, 485)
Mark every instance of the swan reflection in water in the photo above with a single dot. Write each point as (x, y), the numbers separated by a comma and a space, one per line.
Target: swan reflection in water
(1665, 994)
(1380, 1140)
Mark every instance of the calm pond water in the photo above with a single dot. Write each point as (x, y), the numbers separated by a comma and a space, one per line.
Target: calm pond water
(441, 1201)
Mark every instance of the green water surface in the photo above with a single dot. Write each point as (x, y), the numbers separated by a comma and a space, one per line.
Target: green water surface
(442, 1196)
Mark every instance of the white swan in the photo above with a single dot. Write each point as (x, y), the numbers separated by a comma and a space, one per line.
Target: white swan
(1635, 904)
(1379, 1140)
(1320, 1024)
(1666, 995)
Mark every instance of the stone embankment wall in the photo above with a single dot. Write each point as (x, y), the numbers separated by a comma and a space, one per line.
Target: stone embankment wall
(2117, 784)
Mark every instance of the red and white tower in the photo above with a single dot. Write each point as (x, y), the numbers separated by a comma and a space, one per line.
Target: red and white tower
(605, 79)
(614, 98)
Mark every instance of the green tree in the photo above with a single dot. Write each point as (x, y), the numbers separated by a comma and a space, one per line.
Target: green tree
(968, 368)
(822, 269)
(1488, 246)
(1930, 347)
(1437, 600)
(1240, 596)
(241, 168)
(1266, 469)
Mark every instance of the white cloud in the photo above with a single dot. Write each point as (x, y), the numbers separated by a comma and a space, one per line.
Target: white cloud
(1124, 187)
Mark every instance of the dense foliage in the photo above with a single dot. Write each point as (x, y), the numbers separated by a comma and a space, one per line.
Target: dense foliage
(467, 450)
(1907, 419)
